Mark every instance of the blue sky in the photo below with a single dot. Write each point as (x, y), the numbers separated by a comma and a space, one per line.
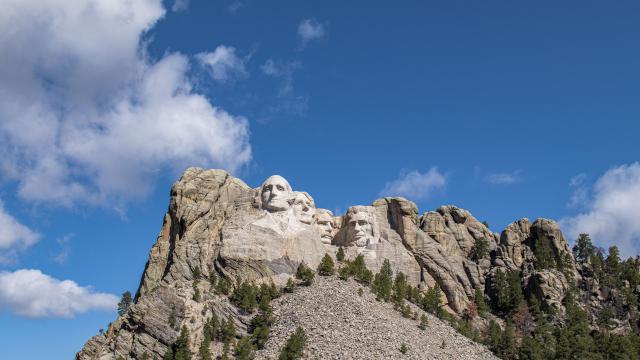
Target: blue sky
(509, 109)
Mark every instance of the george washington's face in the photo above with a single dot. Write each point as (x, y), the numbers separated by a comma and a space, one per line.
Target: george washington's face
(324, 224)
(275, 194)
(360, 229)
(303, 208)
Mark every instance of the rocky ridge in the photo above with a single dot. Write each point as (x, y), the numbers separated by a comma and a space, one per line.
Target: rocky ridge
(218, 226)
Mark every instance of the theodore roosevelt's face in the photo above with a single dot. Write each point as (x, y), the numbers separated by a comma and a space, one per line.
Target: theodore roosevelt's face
(360, 229)
(324, 224)
(275, 194)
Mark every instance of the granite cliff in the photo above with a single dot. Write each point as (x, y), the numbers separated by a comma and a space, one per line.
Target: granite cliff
(218, 227)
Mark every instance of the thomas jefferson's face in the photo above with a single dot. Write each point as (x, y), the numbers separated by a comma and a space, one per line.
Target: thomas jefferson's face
(303, 209)
(276, 193)
(360, 229)
(324, 224)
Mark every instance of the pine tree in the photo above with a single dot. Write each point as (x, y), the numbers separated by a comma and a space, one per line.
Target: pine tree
(344, 273)
(424, 321)
(244, 349)
(168, 355)
(431, 300)
(228, 331)
(573, 339)
(181, 346)
(480, 302)
(400, 288)
(244, 297)
(544, 255)
(340, 254)
(326, 267)
(261, 323)
(172, 317)
(358, 268)
(479, 250)
(223, 286)
(507, 291)
(305, 274)
(125, 302)
(404, 348)
(531, 349)
(383, 282)
(294, 347)
(203, 352)
(583, 250)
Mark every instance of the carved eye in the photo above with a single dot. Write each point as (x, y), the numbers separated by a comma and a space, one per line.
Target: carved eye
(280, 187)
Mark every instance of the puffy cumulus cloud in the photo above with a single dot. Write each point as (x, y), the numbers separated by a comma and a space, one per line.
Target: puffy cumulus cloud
(31, 293)
(87, 116)
(415, 185)
(611, 215)
(309, 30)
(223, 64)
(504, 178)
(14, 236)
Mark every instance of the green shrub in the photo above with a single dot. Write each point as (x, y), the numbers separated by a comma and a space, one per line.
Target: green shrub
(424, 321)
(326, 266)
(294, 347)
(244, 349)
(245, 297)
(223, 286)
(305, 274)
(431, 301)
(291, 285)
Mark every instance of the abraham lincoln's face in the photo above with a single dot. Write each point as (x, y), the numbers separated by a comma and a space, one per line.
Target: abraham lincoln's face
(360, 229)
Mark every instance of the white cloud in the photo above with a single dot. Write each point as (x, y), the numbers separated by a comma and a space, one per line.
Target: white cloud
(287, 99)
(612, 211)
(415, 185)
(235, 6)
(14, 236)
(180, 5)
(223, 64)
(310, 29)
(31, 293)
(504, 178)
(86, 116)
(65, 250)
(580, 196)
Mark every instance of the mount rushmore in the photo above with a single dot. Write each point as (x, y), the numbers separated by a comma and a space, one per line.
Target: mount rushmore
(219, 226)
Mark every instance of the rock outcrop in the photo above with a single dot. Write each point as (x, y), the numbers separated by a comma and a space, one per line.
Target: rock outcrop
(217, 226)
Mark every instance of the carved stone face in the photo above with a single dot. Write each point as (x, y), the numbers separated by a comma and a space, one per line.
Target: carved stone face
(304, 208)
(324, 225)
(360, 229)
(275, 194)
